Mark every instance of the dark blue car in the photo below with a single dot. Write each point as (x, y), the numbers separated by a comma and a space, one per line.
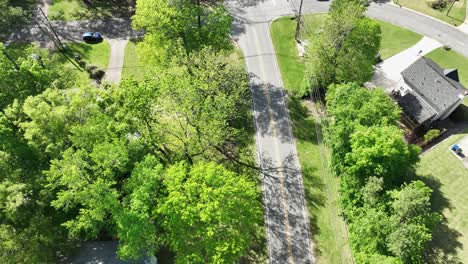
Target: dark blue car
(92, 37)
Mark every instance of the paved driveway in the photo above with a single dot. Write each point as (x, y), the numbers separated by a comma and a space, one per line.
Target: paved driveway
(393, 66)
(116, 60)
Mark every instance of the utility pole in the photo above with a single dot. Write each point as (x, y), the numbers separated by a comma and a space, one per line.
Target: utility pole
(11, 59)
(56, 40)
(299, 22)
(52, 28)
(199, 16)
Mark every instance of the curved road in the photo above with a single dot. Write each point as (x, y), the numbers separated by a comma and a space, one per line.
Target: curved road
(289, 238)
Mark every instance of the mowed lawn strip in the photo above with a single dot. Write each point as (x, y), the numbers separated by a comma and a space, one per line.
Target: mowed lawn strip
(132, 64)
(453, 176)
(394, 40)
(456, 16)
(321, 189)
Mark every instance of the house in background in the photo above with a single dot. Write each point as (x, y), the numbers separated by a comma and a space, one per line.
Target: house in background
(427, 93)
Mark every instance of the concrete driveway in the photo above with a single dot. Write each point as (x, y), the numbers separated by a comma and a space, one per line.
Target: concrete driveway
(116, 60)
(393, 66)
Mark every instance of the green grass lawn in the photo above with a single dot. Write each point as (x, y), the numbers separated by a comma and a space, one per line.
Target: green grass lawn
(455, 17)
(132, 64)
(78, 10)
(442, 165)
(321, 189)
(93, 54)
(291, 65)
(451, 59)
(394, 40)
(97, 54)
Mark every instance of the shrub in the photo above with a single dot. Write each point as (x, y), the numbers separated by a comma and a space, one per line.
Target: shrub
(437, 4)
(431, 135)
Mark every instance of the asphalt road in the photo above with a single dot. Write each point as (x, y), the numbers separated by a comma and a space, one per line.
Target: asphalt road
(288, 234)
(283, 192)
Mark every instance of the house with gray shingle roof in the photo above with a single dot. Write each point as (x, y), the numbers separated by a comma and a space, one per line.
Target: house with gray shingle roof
(427, 92)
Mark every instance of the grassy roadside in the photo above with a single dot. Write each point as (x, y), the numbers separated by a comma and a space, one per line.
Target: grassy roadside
(455, 17)
(132, 66)
(321, 188)
(394, 40)
(450, 176)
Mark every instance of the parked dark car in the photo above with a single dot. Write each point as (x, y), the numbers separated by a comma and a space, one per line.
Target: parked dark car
(92, 37)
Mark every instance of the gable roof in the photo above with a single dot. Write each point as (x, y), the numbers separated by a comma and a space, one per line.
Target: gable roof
(415, 108)
(428, 80)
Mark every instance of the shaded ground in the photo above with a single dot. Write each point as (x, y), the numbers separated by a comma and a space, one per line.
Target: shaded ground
(321, 187)
(71, 31)
(90, 9)
(442, 171)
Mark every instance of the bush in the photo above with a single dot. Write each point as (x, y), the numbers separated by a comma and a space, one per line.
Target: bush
(437, 4)
(431, 135)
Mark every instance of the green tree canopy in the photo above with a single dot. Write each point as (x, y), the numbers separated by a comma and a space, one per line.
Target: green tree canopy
(9, 17)
(189, 111)
(137, 222)
(350, 106)
(175, 27)
(210, 213)
(344, 49)
(380, 151)
(26, 74)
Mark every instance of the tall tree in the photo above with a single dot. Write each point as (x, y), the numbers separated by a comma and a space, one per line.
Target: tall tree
(9, 17)
(380, 151)
(350, 106)
(189, 111)
(414, 222)
(344, 49)
(175, 27)
(26, 74)
(138, 225)
(210, 213)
